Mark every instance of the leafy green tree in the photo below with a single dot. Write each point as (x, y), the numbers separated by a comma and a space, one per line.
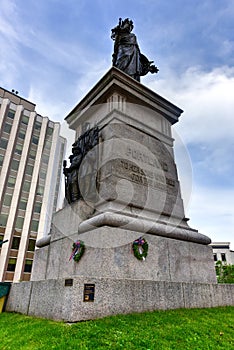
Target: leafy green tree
(224, 272)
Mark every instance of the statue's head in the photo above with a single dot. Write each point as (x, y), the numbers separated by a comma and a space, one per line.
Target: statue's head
(124, 26)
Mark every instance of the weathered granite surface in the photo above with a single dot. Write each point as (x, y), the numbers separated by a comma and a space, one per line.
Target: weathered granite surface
(51, 299)
(108, 253)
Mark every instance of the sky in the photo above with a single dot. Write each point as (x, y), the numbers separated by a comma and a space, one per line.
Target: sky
(53, 52)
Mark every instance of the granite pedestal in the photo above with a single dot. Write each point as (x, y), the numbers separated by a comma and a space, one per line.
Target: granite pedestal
(137, 193)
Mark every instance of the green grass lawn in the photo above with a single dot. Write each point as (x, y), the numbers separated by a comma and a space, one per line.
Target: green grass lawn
(173, 329)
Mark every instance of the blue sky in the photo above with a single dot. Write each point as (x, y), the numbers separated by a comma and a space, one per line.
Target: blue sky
(54, 51)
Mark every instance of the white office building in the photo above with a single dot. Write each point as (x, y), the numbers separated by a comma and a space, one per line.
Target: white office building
(31, 154)
(222, 252)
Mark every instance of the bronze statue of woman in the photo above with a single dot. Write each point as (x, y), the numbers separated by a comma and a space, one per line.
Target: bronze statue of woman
(127, 56)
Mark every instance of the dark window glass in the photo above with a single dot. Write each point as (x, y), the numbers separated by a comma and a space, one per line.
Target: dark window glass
(31, 245)
(223, 256)
(215, 257)
(7, 200)
(15, 164)
(37, 125)
(22, 135)
(11, 264)
(40, 190)
(25, 120)
(35, 140)
(18, 149)
(37, 208)
(19, 223)
(11, 182)
(3, 143)
(11, 114)
(34, 225)
(3, 219)
(45, 159)
(7, 128)
(15, 243)
(32, 154)
(49, 131)
(23, 204)
(42, 175)
(26, 186)
(1, 159)
(29, 170)
(28, 265)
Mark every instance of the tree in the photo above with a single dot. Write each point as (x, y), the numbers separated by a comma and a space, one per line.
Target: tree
(224, 272)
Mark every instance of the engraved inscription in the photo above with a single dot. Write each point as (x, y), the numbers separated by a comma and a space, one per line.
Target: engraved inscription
(136, 154)
(145, 177)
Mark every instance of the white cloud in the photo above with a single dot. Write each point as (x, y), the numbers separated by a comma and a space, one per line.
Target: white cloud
(212, 213)
(47, 107)
(8, 28)
(207, 101)
(207, 125)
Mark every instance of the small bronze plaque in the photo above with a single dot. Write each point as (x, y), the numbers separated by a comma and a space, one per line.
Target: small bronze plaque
(89, 291)
(69, 282)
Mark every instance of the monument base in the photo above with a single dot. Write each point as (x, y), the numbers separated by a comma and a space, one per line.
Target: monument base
(82, 298)
(174, 254)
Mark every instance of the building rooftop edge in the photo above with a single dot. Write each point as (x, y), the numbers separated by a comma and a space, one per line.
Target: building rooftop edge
(19, 97)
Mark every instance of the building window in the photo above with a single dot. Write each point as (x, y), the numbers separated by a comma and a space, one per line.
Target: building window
(49, 131)
(15, 243)
(29, 170)
(3, 143)
(215, 257)
(15, 165)
(22, 135)
(11, 264)
(28, 265)
(1, 159)
(37, 208)
(35, 140)
(37, 125)
(11, 182)
(32, 154)
(26, 186)
(25, 120)
(42, 175)
(7, 128)
(3, 219)
(47, 146)
(18, 149)
(19, 223)
(23, 204)
(7, 200)
(45, 159)
(11, 114)
(40, 190)
(31, 245)
(34, 225)
(223, 256)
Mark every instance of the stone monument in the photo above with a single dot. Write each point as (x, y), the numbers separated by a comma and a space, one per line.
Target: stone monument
(122, 242)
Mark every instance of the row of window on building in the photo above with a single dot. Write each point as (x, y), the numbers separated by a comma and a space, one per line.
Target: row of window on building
(26, 147)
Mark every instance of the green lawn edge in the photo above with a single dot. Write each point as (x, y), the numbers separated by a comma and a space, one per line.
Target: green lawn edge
(171, 329)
